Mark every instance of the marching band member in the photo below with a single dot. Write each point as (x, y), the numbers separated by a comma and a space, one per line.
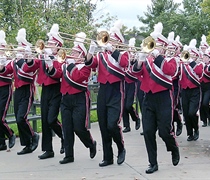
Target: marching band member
(130, 93)
(5, 97)
(190, 90)
(203, 45)
(110, 66)
(75, 104)
(178, 52)
(174, 51)
(157, 73)
(50, 96)
(24, 94)
(205, 89)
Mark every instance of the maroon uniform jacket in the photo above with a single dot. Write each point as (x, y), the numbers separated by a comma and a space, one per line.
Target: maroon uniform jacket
(21, 78)
(44, 77)
(206, 73)
(156, 74)
(6, 75)
(110, 66)
(74, 78)
(190, 74)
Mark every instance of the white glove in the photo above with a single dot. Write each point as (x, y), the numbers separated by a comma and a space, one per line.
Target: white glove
(92, 47)
(28, 50)
(142, 56)
(69, 61)
(155, 53)
(48, 62)
(109, 47)
(48, 51)
(3, 61)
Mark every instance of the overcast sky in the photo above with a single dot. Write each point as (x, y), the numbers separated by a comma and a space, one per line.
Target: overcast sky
(126, 10)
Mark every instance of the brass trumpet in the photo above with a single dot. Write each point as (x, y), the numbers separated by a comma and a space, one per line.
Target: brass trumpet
(185, 56)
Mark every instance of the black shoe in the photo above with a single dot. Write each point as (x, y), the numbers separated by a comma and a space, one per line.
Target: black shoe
(62, 147)
(190, 138)
(151, 169)
(35, 141)
(138, 124)
(196, 135)
(46, 154)
(142, 133)
(25, 150)
(93, 150)
(179, 129)
(175, 156)
(3, 147)
(66, 160)
(204, 125)
(121, 157)
(12, 141)
(127, 129)
(105, 163)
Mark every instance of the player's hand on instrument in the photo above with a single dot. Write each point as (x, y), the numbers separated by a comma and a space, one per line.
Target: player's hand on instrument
(155, 53)
(3, 60)
(92, 47)
(109, 47)
(142, 56)
(48, 61)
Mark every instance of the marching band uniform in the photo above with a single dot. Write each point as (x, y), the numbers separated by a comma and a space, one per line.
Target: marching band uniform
(191, 92)
(205, 82)
(5, 98)
(205, 89)
(174, 51)
(156, 82)
(24, 96)
(50, 96)
(130, 93)
(110, 66)
(75, 104)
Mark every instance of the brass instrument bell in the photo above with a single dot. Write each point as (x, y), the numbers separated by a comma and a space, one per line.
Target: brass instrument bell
(61, 56)
(148, 44)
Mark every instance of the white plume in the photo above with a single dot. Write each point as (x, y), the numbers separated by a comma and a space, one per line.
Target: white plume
(193, 43)
(177, 38)
(171, 37)
(186, 47)
(118, 24)
(21, 35)
(132, 42)
(80, 38)
(158, 28)
(2, 37)
(54, 29)
(203, 38)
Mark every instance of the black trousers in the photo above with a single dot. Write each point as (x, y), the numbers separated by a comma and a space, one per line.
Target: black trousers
(130, 92)
(140, 95)
(158, 111)
(190, 105)
(204, 109)
(109, 110)
(5, 98)
(75, 111)
(176, 94)
(50, 105)
(23, 99)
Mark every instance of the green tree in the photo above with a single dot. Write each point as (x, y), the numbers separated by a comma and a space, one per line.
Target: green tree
(196, 21)
(205, 5)
(165, 11)
(37, 16)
